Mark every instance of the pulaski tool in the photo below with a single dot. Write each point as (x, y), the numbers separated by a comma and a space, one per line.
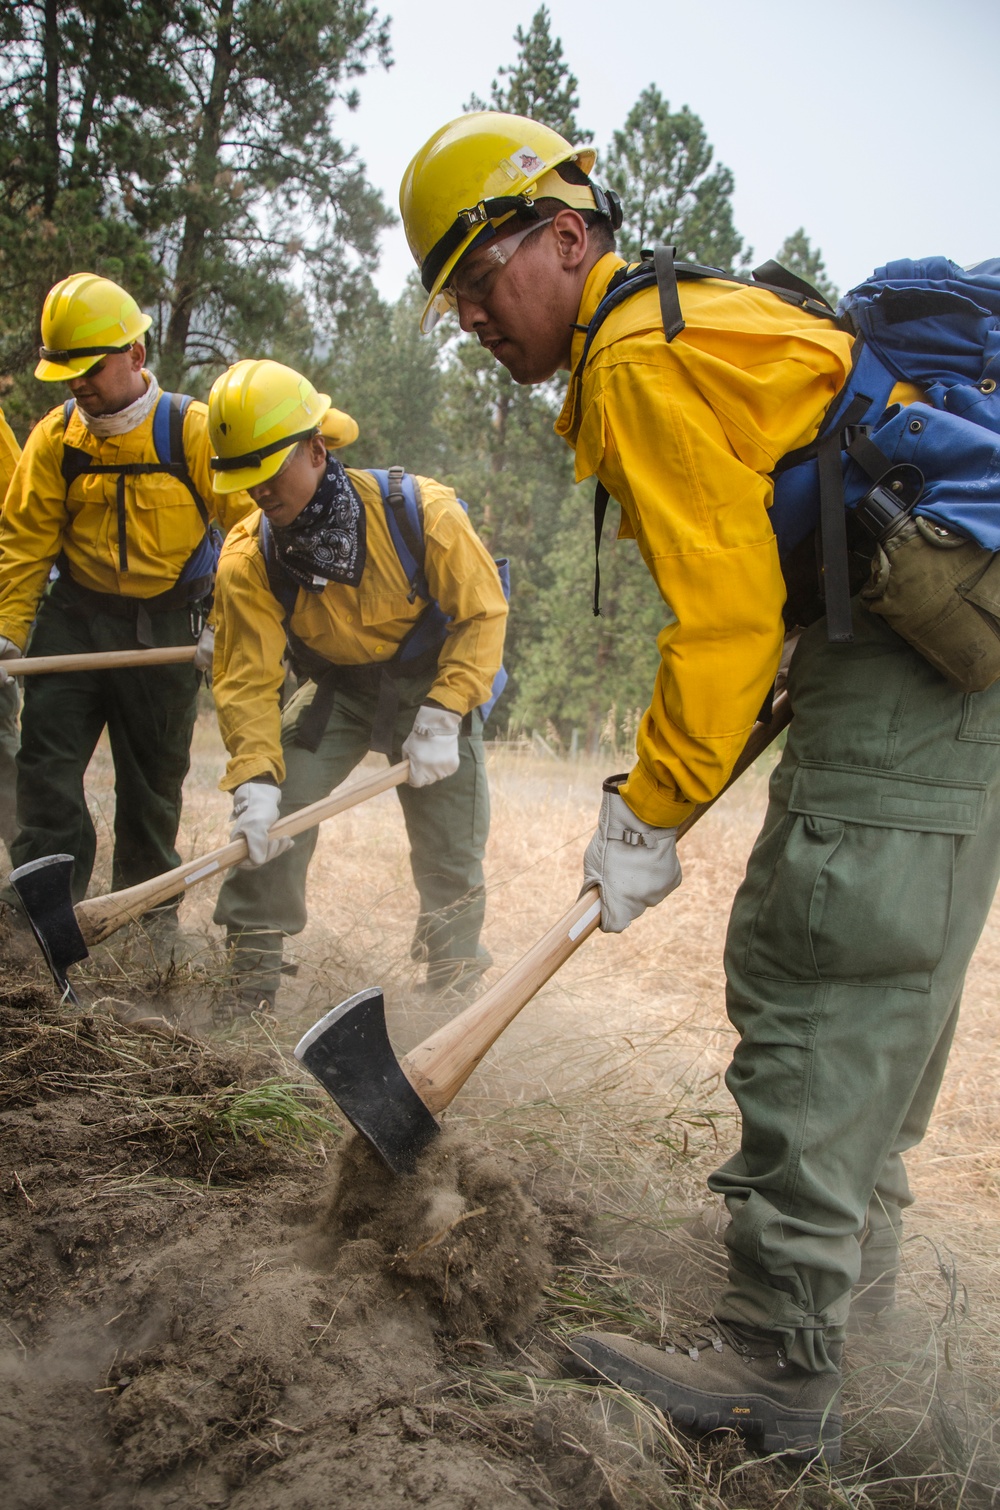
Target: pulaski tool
(393, 1103)
(64, 932)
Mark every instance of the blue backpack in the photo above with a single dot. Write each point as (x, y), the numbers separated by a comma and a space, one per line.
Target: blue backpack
(405, 518)
(198, 572)
(873, 466)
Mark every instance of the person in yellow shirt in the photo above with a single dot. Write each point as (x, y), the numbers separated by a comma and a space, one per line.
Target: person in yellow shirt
(317, 570)
(113, 488)
(851, 933)
(9, 453)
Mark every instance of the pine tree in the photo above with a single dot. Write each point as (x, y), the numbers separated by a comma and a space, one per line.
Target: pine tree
(661, 165)
(799, 256)
(539, 84)
(186, 147)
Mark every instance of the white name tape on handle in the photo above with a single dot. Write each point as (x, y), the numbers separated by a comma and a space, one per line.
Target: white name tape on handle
(592, 912)
(199, 875)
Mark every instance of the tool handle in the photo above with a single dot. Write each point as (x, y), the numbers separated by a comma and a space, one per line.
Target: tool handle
(99, 660)
(100, 916)
(439, 1067)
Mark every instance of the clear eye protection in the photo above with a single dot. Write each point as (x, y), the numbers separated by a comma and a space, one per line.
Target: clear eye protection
(475, 282)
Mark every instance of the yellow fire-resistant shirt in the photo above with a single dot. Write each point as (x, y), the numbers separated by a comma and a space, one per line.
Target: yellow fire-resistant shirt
(41, 517)
(683, 435)
(351, 626)
(10, 453)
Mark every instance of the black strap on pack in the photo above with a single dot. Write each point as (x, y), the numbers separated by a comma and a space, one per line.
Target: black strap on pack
(833, 523)
(661, 267)
(76, 462)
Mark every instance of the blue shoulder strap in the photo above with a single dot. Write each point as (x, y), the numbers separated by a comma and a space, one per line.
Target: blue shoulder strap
(405, 519)
(168, 427)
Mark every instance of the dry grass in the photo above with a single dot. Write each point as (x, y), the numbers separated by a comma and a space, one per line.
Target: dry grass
(610, 1085)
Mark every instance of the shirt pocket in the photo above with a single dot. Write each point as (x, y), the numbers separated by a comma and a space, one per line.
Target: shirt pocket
(862, 888)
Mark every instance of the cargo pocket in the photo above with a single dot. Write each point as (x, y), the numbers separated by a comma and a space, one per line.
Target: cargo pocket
(861, 891)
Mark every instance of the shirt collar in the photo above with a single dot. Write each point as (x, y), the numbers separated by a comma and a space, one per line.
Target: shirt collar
(600, 275)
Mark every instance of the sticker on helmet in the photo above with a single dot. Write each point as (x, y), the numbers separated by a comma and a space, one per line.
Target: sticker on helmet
(527, 160)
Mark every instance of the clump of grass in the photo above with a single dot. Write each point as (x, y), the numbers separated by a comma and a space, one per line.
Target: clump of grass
(277, 1112)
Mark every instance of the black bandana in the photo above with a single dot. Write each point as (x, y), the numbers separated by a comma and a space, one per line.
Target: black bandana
(326, 543)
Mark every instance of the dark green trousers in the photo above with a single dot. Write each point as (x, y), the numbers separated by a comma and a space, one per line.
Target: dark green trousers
(848, 944)
(8, 767)
(447, 825)
(149, 714)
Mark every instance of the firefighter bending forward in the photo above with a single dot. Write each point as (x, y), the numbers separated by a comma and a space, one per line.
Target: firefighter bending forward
(132, 535)
(850, 936)
(321, 542)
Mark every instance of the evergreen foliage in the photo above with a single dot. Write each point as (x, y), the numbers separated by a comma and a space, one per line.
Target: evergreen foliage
(539, 84)
(187, 149)
(661, 166)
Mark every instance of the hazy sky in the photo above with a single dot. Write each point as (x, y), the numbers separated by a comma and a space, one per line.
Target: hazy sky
(877, 127)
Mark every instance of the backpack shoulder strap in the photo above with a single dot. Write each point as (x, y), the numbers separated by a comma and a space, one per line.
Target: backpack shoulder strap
(74, 461)
(404, 515)
(168, 442)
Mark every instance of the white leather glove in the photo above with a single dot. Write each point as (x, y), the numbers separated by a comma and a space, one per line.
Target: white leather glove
(634, 864)
(8, 650)
(255, 808)
(204, 651)
(431, 746)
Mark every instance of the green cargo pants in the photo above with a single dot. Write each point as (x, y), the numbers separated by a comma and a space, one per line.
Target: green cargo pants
(149, 714)
(447, 824)
(8, 766)
(848, 943)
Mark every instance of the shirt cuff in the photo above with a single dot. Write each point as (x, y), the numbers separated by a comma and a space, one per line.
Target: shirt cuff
(651, 803)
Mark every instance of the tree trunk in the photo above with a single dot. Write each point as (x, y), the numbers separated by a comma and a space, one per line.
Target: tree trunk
(50, 108)
(88, 101)
(197, 222)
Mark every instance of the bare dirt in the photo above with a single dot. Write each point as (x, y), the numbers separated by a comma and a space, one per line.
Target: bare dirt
(197, 1318)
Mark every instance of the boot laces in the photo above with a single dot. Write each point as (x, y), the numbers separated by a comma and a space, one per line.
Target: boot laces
(717, 1335)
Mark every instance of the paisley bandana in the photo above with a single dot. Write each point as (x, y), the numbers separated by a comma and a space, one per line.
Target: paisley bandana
(326, 543)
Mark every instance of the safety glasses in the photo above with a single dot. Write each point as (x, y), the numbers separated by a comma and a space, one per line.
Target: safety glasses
(476, 282)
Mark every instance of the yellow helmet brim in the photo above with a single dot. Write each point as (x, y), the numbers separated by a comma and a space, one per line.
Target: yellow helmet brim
(240, 479)
(540, 185)
(49, 371)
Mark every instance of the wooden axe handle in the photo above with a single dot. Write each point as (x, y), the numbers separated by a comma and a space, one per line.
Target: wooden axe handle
(439, 1067)
(100, 916)
(99, 660)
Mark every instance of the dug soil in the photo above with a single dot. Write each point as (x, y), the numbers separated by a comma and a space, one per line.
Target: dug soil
(214, 1295)
(199, 1311)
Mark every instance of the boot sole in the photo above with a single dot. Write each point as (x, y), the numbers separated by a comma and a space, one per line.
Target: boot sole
(769, 1425)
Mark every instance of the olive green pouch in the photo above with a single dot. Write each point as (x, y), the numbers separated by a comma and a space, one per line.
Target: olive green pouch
(941, 592)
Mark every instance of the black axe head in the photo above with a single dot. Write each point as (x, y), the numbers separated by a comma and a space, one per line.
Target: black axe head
(44, 888)
(350, 1054)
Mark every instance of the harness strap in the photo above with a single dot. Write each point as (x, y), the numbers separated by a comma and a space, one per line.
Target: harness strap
(601, 500)
(664, 258)
(833, 525)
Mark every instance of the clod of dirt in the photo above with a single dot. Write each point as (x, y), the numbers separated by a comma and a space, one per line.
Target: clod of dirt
(458, 1236)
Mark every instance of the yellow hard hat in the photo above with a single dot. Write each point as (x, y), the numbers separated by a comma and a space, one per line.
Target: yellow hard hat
(257, 414)
(338, 429)
(85, 318)
(472, 176)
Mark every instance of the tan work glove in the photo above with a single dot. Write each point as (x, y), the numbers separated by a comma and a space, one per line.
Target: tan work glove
(431, 746)
(255, 809)
(633, 864)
